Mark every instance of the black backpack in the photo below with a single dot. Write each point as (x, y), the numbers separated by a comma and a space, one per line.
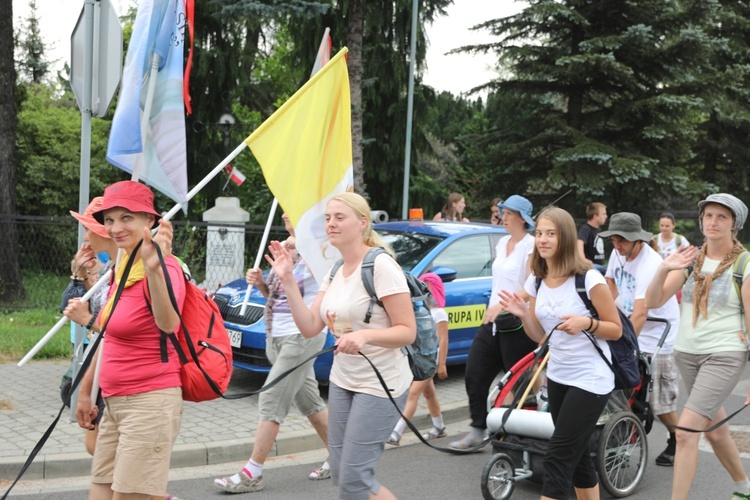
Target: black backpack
(625, 351)
(422, 353)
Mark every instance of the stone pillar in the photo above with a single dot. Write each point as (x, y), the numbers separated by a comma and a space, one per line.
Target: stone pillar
(225, 246)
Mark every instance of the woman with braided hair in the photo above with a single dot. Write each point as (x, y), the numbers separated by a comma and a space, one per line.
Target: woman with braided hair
(711, 347)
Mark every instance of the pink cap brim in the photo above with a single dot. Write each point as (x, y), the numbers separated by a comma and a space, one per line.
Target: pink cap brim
(91, 224)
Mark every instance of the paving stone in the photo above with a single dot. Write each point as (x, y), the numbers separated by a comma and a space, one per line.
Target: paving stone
(34, 392)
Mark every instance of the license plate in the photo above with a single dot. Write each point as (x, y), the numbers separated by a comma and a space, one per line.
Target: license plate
(235, 338)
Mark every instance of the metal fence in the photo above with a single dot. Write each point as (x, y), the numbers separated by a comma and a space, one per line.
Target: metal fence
(47, 245)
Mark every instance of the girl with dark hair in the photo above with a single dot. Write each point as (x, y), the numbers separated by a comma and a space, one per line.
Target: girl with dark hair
(667, 241)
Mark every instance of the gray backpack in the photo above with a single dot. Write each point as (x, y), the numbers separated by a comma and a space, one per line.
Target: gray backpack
(422, 353)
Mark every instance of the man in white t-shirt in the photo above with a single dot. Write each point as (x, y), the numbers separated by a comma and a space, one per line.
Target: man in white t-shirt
(631, 268)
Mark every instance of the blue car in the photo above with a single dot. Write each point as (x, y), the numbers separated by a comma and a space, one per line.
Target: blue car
(460, 253)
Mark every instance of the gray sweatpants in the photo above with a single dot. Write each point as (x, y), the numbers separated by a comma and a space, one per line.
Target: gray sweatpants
(358, 427)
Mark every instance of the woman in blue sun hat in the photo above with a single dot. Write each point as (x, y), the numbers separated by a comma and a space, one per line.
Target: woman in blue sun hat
(500, 341)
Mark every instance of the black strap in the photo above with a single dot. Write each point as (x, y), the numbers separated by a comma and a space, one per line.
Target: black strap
(713, 427)
(452, 451)
(81, 372)
(413, 427)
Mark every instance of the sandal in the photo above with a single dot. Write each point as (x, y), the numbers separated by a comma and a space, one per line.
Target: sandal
(434, 433)
(320, 474)
(394, 440)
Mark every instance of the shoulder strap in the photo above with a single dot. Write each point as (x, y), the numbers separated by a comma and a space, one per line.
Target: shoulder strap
(537, 283)
(738, 273)
(335, 268)
(368, 279)
(677, 240)
(581, 289)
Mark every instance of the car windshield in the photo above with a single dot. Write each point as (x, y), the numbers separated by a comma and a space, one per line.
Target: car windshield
(410, 248)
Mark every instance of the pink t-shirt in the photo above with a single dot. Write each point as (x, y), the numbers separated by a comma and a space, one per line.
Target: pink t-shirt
(131, 362)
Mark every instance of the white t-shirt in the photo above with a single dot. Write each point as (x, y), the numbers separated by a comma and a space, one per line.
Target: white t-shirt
(439, 315)
(670, 247)
(343, 309)
(724, 329)
(632, 280)
(509, 271)
(573, 359)
(282, 324)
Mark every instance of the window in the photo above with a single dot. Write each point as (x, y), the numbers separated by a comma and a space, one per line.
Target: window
(471, 257)
(410, 248)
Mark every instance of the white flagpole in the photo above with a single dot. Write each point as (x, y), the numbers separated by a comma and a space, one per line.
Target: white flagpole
(259, 255)
(105, 278)
(63, 320)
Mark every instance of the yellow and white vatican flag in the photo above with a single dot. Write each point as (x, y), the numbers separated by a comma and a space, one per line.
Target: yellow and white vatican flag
(305, 152)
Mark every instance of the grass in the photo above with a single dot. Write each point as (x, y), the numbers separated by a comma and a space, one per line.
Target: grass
(24, 323)
(21, 330)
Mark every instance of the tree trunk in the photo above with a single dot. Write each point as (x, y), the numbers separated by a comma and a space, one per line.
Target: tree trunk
(11, 285)
(354, 43)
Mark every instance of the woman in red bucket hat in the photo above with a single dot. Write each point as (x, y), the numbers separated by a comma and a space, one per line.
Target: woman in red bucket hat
(143, 395)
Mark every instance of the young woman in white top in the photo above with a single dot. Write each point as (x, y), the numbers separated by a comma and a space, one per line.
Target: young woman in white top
(500, 341)
(711, 347)
(360, 414)
(579, 381)
(667, 241)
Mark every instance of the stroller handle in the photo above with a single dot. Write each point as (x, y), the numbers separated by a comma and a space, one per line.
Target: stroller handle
(667, 328)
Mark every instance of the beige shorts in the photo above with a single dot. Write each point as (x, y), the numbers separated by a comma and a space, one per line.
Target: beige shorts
(710, 378)
(135, 441)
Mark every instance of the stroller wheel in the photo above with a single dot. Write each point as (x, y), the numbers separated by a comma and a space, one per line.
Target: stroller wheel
(622, 454)
(497, 478)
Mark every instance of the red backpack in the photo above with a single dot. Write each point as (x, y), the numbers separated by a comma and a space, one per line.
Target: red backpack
(202, 342)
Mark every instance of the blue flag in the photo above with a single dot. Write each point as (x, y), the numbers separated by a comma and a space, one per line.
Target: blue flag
(155, 154)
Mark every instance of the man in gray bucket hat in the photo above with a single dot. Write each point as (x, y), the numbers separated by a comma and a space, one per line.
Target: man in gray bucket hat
(632, 266)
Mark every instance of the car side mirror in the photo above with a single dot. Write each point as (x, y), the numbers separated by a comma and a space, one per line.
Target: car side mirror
(447, 274)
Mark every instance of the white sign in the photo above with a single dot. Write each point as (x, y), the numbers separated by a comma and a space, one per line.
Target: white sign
(107, 48)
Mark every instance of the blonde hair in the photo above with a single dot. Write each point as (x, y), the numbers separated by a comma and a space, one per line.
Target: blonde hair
(362, 210)
(567, 259)
(593, 209)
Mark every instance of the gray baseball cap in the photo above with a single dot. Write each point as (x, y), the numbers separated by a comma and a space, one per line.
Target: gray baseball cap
(734, 204)
(626, 225)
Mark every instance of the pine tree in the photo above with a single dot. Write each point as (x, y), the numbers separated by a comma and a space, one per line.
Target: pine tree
(609, 113)
(33, 65)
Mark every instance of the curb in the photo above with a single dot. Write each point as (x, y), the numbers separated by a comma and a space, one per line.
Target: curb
(65, 465)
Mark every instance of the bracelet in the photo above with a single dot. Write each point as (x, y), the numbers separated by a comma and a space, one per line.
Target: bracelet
(91, 322)
(591, 323)
(598, 322)
(75, 277)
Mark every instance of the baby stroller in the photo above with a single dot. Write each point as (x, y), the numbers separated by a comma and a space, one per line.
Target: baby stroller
(521, 430)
